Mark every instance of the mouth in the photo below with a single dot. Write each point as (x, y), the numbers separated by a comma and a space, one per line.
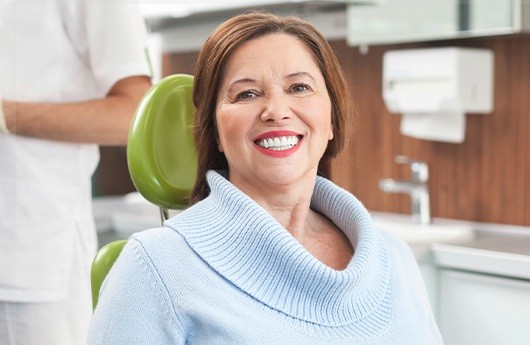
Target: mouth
(279, 143)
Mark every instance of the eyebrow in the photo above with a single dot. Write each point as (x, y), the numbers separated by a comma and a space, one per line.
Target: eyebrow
(254, 81)
(299, 74)
(240, 81)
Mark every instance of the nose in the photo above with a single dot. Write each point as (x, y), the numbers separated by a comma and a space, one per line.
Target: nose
(276, 108)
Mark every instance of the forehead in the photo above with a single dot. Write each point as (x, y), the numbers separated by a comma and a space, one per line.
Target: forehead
(272, 53)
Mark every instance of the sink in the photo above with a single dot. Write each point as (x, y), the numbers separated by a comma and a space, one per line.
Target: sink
(415, 234)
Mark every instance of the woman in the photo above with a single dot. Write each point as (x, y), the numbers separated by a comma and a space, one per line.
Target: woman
(269, 252)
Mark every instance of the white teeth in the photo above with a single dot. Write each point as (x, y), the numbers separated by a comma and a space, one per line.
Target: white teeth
(279, 143)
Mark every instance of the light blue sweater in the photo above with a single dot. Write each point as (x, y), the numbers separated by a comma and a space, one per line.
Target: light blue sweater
(225, 272)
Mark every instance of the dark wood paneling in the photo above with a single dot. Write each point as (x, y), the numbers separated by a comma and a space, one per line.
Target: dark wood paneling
(112, 175)
(178, 63)
(482, 179)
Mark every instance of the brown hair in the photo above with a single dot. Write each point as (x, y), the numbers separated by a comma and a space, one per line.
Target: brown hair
(211, 62)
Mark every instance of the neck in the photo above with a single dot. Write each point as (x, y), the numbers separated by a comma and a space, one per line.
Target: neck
(289, 204)
(315, 233)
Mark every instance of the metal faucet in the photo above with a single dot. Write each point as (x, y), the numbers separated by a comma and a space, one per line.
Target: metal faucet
(416, 188)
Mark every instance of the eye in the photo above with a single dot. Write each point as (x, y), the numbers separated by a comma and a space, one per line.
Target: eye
(299, 88)
(247, 94)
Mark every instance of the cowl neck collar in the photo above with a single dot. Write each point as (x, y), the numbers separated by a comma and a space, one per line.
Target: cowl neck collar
(248, 247)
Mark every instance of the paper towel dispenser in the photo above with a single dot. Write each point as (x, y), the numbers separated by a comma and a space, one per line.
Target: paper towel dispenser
(434, 88)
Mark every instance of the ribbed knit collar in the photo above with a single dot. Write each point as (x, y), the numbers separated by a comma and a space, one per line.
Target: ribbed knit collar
(246, 245)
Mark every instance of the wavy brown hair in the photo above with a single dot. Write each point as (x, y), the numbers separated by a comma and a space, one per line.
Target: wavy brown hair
(209, 74)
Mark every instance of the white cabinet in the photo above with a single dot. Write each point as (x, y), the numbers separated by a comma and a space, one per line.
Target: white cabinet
(404, 21)
(482, 309)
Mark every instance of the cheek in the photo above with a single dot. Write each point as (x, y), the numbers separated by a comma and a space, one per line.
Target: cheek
(227, 129)
(323, 120)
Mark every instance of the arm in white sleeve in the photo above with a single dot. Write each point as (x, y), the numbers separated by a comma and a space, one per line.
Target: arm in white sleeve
(109, 37)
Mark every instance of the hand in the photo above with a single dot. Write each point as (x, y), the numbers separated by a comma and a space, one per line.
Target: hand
(3, 118)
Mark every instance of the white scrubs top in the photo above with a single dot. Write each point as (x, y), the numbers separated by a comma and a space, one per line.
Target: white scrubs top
(55, 51)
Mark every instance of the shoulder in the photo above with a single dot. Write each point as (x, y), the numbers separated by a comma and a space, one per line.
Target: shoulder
(160, 244)
(167, 252)
(404, 265)
(395, 243)
(156, 236)
(406, 275)
(400, 252)
(154, 262)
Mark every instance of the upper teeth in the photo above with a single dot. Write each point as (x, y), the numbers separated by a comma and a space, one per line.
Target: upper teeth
(279, 143)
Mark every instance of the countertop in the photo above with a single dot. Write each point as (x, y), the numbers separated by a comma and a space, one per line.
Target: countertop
(504, 251)
(495, 249)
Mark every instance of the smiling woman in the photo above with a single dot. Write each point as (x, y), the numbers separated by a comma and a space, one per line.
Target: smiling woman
(269, 252)
(213, 63)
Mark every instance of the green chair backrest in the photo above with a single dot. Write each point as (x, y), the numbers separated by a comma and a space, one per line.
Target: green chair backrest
(102, 264)
(160, 151)
(161, 158)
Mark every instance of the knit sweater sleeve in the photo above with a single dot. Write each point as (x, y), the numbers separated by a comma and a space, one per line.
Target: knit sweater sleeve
(134, 306)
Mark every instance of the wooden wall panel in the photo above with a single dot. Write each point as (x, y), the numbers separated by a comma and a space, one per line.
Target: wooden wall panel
(526, 172)
(112, 174)
(483, 179)
(178, 63)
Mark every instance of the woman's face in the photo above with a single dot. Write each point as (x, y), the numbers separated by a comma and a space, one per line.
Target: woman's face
(273, 114)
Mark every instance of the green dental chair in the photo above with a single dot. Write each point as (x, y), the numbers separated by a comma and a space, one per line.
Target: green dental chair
(161, 158)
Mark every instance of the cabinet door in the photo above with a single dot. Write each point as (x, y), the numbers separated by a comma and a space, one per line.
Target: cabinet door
(480, 309)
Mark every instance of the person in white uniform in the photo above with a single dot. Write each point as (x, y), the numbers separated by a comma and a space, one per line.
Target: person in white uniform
(71, 75)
